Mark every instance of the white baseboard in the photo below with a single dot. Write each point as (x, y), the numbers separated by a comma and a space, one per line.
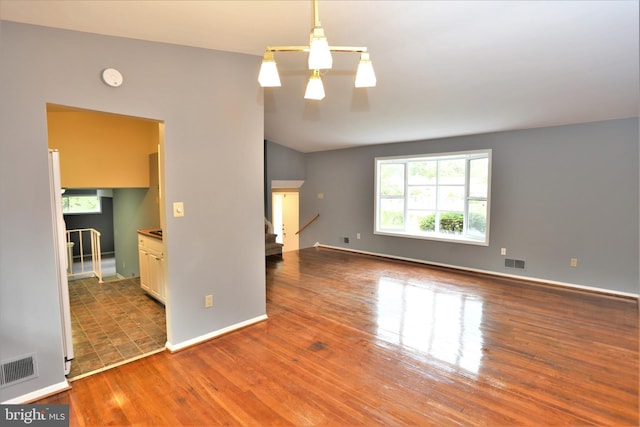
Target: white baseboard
(489, 272)
(39, 394)
(197, 340)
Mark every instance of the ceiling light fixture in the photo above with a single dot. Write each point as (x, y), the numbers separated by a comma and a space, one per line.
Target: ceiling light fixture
(319, 59)
(365, 77)
(268, 76)
(315, 89)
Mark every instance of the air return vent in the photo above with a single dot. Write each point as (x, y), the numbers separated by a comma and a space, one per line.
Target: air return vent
(18, 370)
(514, 263)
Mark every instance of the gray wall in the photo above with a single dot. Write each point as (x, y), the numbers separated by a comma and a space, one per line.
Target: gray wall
(281, 163)
(557, 193)
(212, 109)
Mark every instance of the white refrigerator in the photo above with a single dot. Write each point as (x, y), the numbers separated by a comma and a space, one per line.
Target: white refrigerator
(60, 239)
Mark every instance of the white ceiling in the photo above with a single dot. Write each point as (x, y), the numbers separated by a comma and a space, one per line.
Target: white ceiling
(444, 68)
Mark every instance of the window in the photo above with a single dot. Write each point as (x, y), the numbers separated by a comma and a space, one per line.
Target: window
(81, 202)
(441, 197)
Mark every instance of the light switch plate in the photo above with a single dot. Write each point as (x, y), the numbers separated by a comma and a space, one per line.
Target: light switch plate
(178, 209)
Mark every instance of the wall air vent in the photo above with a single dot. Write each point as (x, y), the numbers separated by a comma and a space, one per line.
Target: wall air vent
(514, 263)
(17, 370)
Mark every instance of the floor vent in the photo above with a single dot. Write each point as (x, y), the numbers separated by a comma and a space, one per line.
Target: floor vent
(514, 263)
(18, 370)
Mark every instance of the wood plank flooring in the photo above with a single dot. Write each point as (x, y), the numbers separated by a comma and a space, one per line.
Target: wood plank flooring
(358, 340)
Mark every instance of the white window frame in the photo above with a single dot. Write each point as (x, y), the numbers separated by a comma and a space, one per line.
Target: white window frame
(457, 238)
(93, 196)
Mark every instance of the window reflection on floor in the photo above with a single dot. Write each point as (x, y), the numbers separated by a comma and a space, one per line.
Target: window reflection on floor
(443, 325)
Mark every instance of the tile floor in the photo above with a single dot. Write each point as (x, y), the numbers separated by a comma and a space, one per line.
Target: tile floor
(112, 322)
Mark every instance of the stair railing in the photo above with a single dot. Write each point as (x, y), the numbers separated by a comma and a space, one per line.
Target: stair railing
(307, 224)
(96, 256)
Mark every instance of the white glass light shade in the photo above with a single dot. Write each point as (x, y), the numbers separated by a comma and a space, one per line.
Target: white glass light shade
(319, 52)
(268, 76)
(315, 89)
(365, 77)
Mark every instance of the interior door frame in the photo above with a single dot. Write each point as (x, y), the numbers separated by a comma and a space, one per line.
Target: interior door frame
(161, 199)
(291, 235)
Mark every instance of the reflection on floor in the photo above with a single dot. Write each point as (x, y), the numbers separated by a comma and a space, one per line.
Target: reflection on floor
(111, 323)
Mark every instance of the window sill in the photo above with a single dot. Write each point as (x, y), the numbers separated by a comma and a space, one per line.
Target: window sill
(437, 237)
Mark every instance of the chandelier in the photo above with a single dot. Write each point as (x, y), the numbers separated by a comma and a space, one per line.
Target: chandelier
(319, 59)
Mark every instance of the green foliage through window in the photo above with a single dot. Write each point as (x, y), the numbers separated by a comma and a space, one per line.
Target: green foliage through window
(453, 222)
(81, 204)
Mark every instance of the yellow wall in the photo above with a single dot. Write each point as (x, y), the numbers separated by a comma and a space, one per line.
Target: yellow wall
(100, 150)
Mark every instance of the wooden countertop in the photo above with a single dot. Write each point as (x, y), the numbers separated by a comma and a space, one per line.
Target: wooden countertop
(148, 232)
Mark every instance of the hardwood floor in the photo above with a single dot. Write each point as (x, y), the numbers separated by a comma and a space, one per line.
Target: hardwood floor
(357, 340)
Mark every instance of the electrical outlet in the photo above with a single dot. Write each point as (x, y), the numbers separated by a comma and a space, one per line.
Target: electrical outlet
(358, 236)
(574, 262)
(208, 301)
(503, 251)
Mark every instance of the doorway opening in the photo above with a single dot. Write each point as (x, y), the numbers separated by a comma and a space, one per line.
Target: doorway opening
(286, 218)
(115, 321)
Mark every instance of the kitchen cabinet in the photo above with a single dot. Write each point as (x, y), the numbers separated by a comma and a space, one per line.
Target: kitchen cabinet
(151, 256)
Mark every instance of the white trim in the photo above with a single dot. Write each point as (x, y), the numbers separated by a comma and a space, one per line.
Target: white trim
(404, 160)
(197, 340)
(277, 183)
(39, 394)
(465, 154)
(441, 237)
(493, 273)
